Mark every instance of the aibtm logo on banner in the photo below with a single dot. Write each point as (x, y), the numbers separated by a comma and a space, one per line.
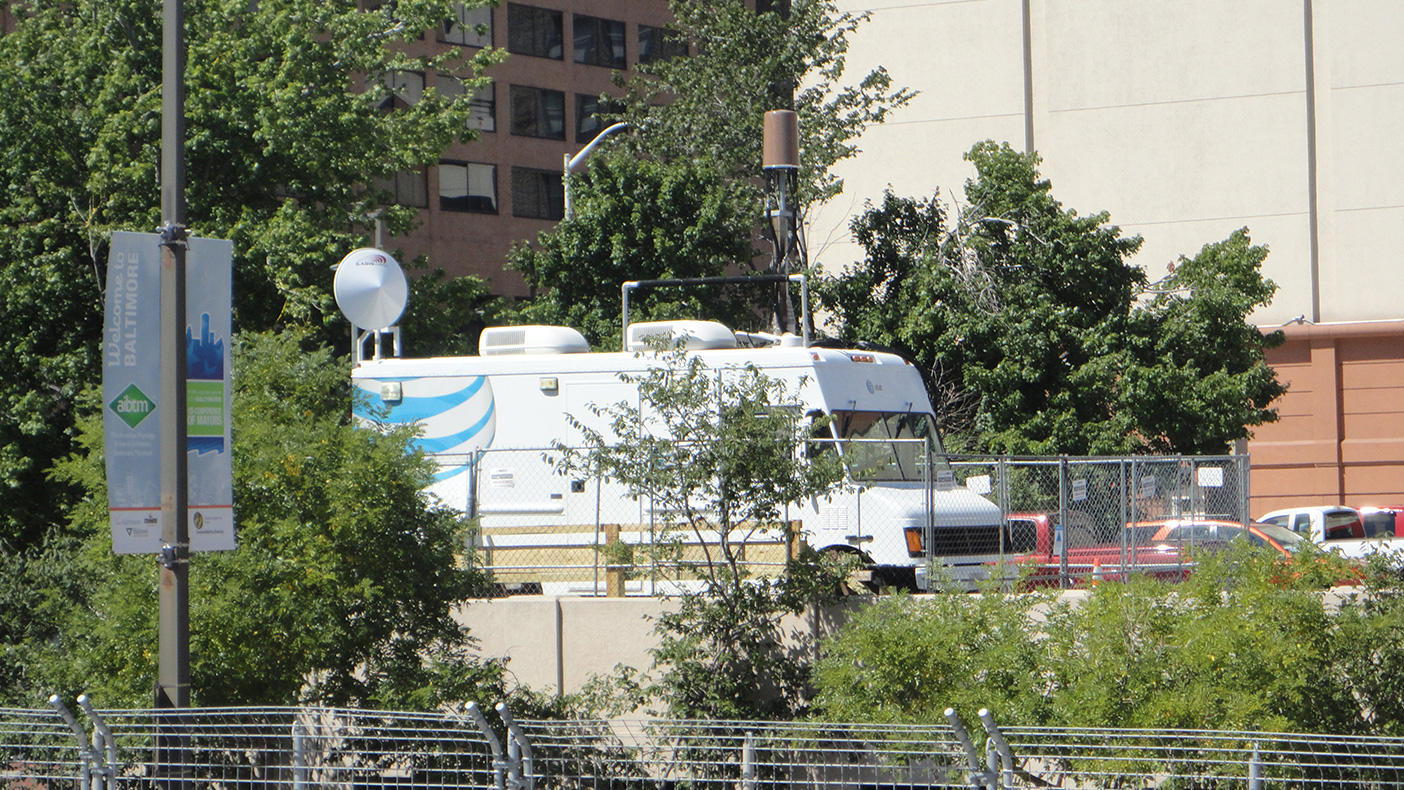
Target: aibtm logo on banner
(132, 406)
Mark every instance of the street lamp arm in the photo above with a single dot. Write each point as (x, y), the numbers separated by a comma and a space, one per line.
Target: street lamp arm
(574, 163)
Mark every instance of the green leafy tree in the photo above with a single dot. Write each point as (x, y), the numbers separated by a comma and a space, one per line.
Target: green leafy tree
(1369, 630)
(904, 661)
(341, 589)
(1040, 337)
(284, 151)
(696, 139)
(711, 104)
(638, 219)
(720, 451)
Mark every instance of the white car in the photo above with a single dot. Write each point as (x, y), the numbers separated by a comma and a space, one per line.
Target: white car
(1334, 527)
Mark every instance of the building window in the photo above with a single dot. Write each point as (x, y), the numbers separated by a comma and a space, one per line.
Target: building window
(470, 27)
(535, 31)
(599, 42)
(468, 186)
(537, 194)
(657, 43)
(408, 187)
(482, 106)
(404, 88)
(538, 112)
(588, 111)
(484, 109)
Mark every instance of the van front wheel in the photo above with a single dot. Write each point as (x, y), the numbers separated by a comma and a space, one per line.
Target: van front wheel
(893, 578)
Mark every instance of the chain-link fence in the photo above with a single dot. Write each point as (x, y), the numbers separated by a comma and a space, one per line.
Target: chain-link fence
(963, 521)
(1069, 521)
(339, 749)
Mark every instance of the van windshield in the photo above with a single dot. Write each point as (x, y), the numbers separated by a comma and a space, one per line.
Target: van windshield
(888, 446)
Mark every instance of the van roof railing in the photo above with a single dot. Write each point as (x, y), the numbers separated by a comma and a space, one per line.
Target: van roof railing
(633, 285)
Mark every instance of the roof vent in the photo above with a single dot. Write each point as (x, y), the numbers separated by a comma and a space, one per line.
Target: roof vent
(695, 335)
(509, 340)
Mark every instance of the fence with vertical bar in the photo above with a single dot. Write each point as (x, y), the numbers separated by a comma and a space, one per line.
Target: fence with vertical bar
(344, 749)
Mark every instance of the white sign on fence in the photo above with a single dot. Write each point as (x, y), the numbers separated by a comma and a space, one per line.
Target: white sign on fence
(1079, 489)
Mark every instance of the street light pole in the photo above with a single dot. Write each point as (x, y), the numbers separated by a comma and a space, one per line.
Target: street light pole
(172, 693)
(573, 163)
(173, 673)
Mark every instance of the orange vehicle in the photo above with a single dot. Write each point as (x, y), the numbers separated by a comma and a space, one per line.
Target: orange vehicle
(1189, 535)
(1163, 549)
(1208, 533)
(1037, 548)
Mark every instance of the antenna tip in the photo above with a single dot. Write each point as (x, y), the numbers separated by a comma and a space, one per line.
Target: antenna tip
(780, 148)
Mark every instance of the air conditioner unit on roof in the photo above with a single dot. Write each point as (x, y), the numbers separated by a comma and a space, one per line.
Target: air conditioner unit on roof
(504, 340)
(693, 335)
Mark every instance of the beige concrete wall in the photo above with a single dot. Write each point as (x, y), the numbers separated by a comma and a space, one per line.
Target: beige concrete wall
(1184, 120)
(560, 643)
(579, 637)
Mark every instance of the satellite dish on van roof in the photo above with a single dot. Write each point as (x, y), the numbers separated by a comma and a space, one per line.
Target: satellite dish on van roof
(370, 288)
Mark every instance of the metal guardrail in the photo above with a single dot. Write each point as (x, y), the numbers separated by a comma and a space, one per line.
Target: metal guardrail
(344, 749)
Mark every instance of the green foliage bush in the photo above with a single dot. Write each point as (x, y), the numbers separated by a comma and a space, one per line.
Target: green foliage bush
(1249, 642)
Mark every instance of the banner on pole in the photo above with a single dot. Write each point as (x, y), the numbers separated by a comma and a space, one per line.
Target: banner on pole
(131, 386)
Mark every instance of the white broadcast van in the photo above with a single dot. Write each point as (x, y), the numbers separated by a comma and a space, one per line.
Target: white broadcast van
(490, 422)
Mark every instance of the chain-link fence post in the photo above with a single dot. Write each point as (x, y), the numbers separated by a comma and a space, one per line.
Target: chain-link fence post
(499, 763)
(470, 505)
(1245, 499)
(748, 762)
(299, 755)
(1060, 530)
(929, 530)
(520, 770)
(1002, 465)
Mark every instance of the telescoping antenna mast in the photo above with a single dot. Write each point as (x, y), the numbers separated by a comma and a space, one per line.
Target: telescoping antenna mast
(780, 163)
